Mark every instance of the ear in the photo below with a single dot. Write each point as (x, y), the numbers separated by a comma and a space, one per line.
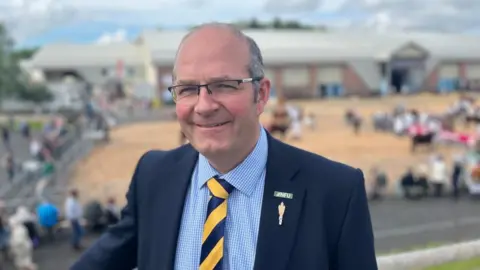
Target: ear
(263, 95)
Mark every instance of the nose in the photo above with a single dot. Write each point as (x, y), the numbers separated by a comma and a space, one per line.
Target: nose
(205, 104)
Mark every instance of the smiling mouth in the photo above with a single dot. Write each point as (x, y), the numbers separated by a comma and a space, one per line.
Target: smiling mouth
(212, 125)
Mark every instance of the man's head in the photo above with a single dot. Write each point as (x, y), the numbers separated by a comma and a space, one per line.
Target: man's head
(74, 193)
(226, 120)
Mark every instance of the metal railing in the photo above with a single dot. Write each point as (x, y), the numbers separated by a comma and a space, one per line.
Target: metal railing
(24, 189)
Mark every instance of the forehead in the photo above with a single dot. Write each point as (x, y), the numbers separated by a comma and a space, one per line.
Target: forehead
(212, 53)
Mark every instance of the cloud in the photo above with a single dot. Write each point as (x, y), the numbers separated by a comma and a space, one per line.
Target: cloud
(427, 15)
(27, 18)
(24, 18)
(113, 37)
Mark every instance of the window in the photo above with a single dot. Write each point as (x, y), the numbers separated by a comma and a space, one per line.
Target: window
(299, 76)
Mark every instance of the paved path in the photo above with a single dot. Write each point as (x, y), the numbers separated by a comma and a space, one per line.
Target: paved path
(398, 225)
(401, 225)
(19, 146)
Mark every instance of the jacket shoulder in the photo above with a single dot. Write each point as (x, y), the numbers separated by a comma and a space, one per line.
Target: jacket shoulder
(320, 170)
(155, 159)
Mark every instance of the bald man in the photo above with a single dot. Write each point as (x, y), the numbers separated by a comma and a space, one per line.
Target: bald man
(234, 197)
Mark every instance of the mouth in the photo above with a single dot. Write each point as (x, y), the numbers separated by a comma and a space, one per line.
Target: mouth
(212, 125)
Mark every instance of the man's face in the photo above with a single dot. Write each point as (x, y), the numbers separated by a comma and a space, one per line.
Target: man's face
(218, 125)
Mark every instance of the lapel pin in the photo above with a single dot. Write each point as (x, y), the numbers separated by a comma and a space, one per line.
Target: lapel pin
(281, 211)
(284, 195)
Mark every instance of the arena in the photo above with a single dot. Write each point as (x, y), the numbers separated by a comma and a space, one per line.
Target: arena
(108, 170)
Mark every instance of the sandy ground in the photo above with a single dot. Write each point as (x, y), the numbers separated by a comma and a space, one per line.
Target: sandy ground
(107, 171)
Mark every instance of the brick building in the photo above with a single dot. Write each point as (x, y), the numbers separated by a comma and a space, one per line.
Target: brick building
(300, 63)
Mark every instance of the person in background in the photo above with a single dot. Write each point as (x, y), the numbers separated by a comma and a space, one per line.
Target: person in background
(456, 174)
(4, 233)
(10, 165)
(47, 214)
(379, 182)
(74, 214)
(422, 179)
(20, 246)
(6, 137)
(438, 175)
(25, 129)
(112, 213)
(35, 148)
(408, 183)
(29, 220)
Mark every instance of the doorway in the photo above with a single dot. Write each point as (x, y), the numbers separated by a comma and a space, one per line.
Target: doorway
(399, 77)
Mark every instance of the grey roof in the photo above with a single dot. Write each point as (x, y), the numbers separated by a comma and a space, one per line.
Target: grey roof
(67, 55)
(300, 46)
(278, 46)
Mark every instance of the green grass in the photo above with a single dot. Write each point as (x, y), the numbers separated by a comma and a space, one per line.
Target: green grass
(413, 248)
(35, 125)
(472, 264)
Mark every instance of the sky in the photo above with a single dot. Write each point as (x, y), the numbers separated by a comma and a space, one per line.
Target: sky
(39, 22)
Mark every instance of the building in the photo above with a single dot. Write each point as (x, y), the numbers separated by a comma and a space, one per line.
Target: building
(301, 63)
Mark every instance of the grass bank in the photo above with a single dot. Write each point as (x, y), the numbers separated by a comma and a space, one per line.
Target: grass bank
(472, 264)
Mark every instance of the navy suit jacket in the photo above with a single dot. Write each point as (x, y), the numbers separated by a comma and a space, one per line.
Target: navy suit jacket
(327, 224)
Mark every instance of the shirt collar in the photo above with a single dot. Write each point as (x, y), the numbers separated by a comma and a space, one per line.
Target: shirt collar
(246, 175)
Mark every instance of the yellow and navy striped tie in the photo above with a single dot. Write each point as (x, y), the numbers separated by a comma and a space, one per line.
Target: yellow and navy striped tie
(214, 229)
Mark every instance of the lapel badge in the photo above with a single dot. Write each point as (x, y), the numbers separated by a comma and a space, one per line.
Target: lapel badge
(281, 212)
(283, 195)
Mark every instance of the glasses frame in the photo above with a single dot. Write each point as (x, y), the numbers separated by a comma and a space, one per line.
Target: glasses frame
(206, 85)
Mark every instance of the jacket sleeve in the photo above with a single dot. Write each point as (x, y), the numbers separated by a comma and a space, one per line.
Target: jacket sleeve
(356, 248)
(116, 249)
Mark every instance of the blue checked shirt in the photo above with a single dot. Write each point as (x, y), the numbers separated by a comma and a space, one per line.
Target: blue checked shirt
(243, 211)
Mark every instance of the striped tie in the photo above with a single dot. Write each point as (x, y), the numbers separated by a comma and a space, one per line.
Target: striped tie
(213, 231)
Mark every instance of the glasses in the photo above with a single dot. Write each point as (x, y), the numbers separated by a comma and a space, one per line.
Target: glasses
(187, 93)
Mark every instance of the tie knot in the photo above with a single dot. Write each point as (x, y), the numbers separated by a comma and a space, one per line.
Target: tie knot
(219, 187)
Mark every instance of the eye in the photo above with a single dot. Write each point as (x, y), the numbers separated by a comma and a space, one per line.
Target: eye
(186, 89)
(226, 85)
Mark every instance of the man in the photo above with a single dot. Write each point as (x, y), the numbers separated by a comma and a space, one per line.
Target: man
(47, 214)
(74, 214)
(234, 197)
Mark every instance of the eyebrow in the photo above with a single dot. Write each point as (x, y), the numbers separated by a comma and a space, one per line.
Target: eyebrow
(213, 79)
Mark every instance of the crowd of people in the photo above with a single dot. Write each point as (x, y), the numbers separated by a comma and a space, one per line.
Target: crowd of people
(26, 229)
(288, 120)
(42, 145)
(434, 178)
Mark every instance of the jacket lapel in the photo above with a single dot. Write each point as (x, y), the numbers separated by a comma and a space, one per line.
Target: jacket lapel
(275, 241)
(177, 174)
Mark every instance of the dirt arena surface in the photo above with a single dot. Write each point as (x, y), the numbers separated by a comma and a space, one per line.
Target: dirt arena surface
(107, 171)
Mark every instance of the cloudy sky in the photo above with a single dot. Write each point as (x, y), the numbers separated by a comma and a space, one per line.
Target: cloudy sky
(36, 22)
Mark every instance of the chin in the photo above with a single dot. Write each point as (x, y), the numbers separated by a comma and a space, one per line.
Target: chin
(212, 148)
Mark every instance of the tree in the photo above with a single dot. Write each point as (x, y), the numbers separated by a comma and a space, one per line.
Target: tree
(277, 23)
(8, 69)
(23, 54)
(32, 92)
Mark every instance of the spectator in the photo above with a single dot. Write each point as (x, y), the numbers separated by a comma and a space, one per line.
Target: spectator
(10, 166)
(438, 176)
(74, 214)
(28, 219)
(20, 245)
(94, 215)
(422, 179)
(408, 183)
(379, 183)
(112, 213)
(47, 214)
(456, 174)
(4, 233)
(6, 137)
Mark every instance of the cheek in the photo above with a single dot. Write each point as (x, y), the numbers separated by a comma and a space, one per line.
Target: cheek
(183, 112)
(238, 109)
